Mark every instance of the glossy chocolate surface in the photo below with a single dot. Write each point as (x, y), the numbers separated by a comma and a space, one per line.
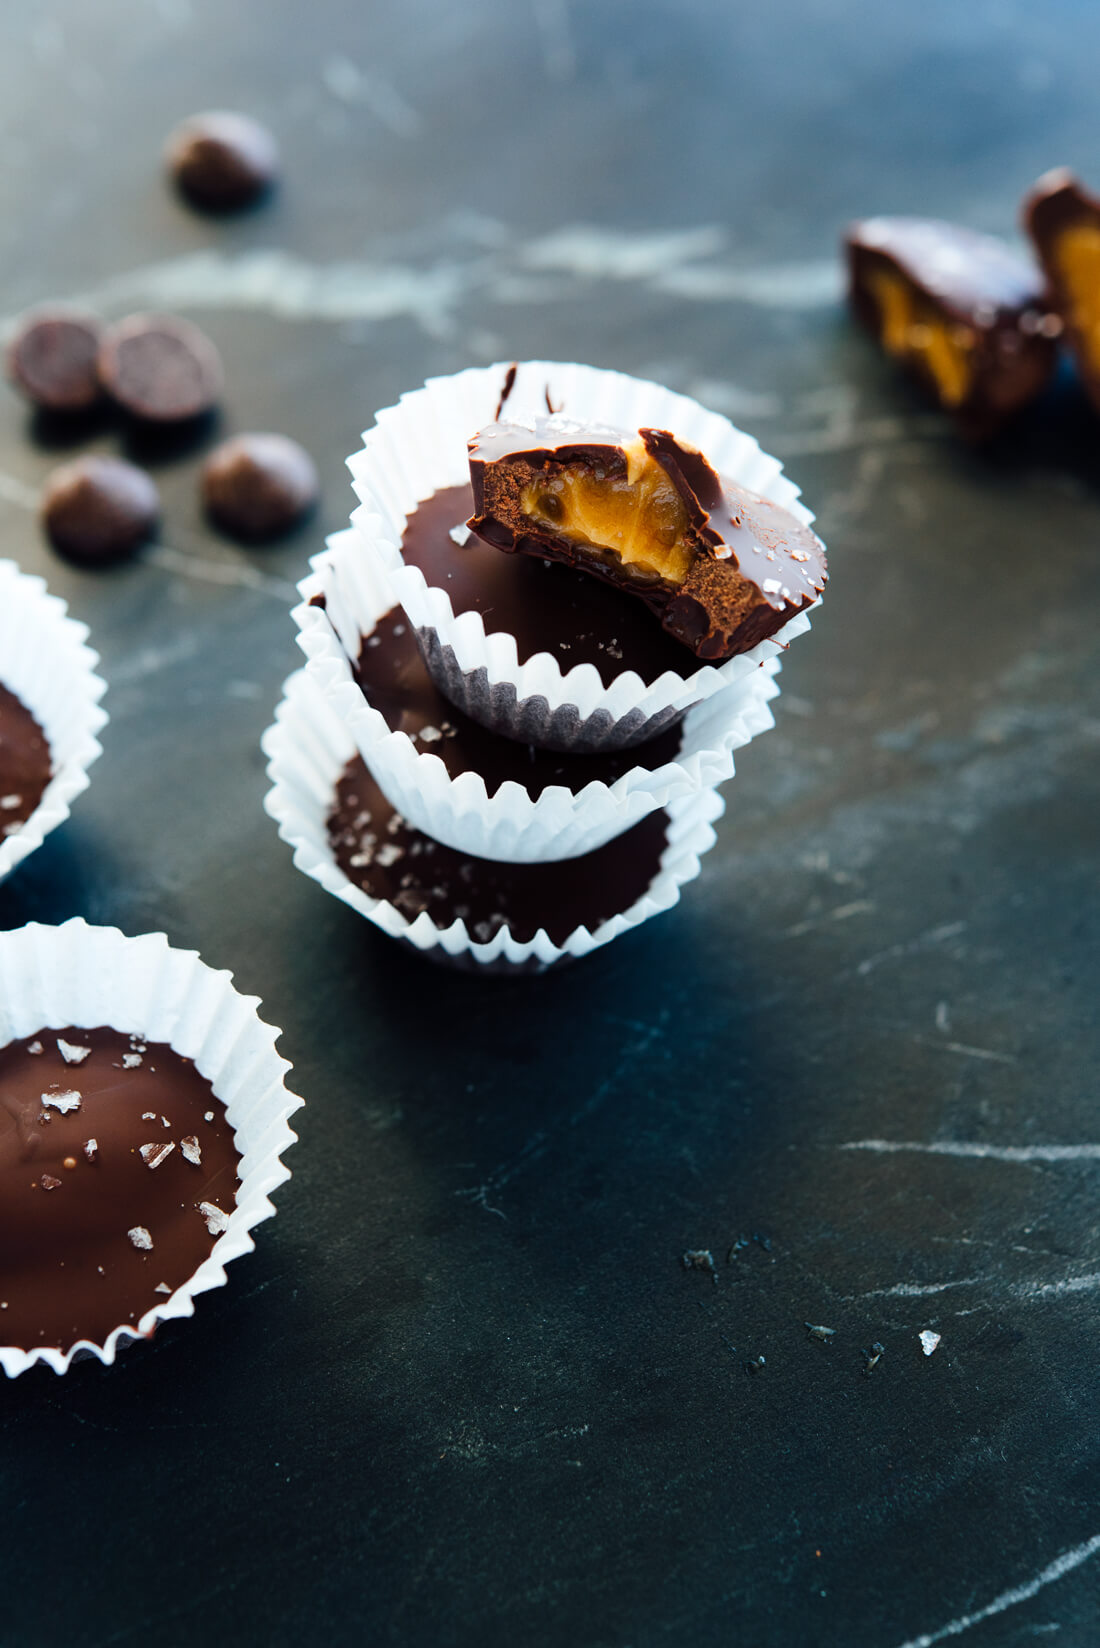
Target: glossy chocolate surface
(548, 608)
(752, 564)
(393, 677)
(988, 302)
(105, 1157)
(388, 859)
(24, 762)
(52, 359)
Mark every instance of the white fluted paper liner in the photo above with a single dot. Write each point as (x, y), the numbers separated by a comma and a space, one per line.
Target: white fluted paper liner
(419, 446)
(308, 747)
(510, 826)
(46, 662)
(51, 977)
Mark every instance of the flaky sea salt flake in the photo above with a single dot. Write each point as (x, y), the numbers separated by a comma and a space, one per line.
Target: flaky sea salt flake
(141, 1238)
(130, 1061)
(35, 1047)
(929, 1341)
(65, 1102)
(153, 1154)
(91, 1149)
(191, 1150)
(70, 1053)
(162, 1287)
(216, 1220)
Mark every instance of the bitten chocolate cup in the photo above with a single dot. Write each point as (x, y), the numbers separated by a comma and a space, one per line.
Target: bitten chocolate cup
(81, 978)
(468, 788)
(509, 681)
(309, 749)
(46, 663)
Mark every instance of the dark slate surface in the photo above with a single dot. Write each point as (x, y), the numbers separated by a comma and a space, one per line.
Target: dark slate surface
(464, 1392)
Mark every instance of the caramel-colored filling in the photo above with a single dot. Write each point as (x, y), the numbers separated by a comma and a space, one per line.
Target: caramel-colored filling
(638, 518)
(913, 331)
(1078, 257)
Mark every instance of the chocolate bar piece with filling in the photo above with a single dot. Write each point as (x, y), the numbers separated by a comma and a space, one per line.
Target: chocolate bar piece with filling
(965, 315)
(723, 568)
(1063, 220)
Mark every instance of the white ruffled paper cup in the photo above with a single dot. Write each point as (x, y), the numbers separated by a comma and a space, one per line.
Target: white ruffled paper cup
(418, 447)
(52, 977)
(46, 663)
(308, 747)
(510, 826)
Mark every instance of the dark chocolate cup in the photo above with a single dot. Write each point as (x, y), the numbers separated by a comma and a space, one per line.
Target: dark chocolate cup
(418, 447)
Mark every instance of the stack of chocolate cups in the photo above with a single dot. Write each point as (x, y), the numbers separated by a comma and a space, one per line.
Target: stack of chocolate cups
(466, 790)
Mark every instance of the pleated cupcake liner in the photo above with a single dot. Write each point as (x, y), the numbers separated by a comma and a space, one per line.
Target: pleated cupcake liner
(46, 662)
(419, 446)
(76, 974)
(308, 746)
(510, 825)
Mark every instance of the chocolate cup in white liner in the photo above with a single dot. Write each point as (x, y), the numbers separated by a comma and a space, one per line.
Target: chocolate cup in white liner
(53, 977)
(46, 662)
(419, 447)
(308, 747)
(510, 826)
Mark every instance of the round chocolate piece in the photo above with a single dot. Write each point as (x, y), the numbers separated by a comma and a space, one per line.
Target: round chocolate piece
(222, 161)
(258, 486)
(118, 1172)
(160, 368)
(99, 509)
(52, 359)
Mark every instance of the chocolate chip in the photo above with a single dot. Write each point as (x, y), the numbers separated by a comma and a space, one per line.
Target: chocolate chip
(160, 368)
(222, 161)
(52, 359)
(257, 486)
(99, 509)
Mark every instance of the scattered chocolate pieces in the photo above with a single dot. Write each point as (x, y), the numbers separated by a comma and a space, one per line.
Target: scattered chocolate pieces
(258, 486)
(52, 360)
(723, 568)
(1063, 220)
(965, 315)
(96, 510)
(160, 368)
(221, 161)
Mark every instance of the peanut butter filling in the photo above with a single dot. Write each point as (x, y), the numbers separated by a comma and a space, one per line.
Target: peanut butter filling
(1077, 252)
(639, 518)
(913, 331)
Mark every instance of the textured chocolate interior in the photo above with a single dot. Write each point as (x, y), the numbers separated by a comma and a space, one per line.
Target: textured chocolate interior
(24, 762)
(547, 607)
(394, 678)
(388, 859)
(105, 1159)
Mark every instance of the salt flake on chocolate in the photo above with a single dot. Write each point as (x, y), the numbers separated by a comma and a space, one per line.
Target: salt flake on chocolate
(35, 1047)
(216, 1220)
(141, 1238)
(71, 1053)
(91, 1149)
(65, 1102)
(153, 1154)
(162, 1287)
(191, 1150)
(130, 1061)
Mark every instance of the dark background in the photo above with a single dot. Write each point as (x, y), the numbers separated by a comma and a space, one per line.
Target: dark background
(465, 1392)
